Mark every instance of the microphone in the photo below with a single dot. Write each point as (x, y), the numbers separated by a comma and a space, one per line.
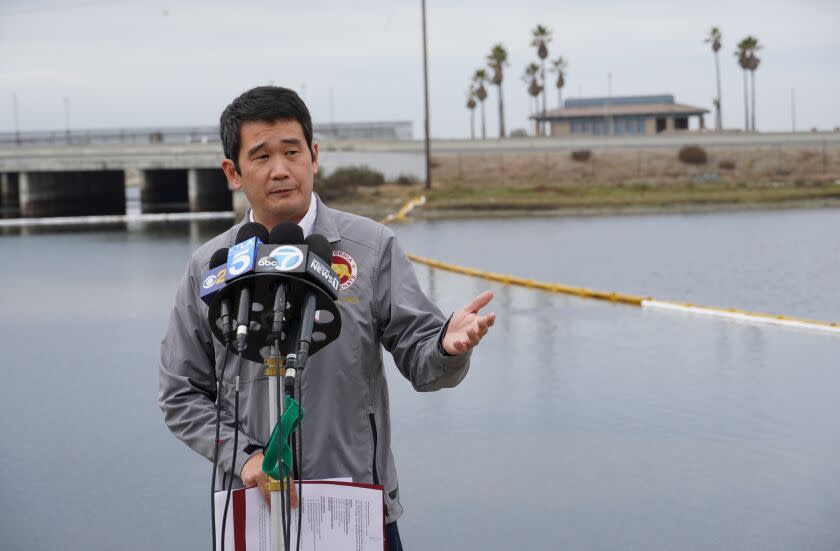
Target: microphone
(272, 282)
(241, 259)
(286, 233)
(282, 234)
(319, 247)
(212, 281)
(319, 264)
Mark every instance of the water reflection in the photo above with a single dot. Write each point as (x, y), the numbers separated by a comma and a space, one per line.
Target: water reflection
(581, 425)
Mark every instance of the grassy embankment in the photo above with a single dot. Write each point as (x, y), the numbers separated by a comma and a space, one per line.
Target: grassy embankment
(636, 194)
(617, 181)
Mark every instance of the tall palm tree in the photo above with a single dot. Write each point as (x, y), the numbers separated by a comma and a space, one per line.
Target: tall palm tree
(742, 53)
(534, 89)
(752, 64)
(471, 103)
(497, 59)
(479, 78)
(748, 62)
(714, 39)
(559, 67)
(540, 37)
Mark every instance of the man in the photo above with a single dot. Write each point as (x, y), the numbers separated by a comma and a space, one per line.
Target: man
(267, 138)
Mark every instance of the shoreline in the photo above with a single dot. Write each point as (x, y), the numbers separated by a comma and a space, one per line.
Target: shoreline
(379, 212)
(474, 212)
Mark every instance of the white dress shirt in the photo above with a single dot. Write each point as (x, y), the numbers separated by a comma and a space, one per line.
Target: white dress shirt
(307, 223)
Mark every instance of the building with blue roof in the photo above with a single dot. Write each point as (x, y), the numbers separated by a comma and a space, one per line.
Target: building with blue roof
(621, 116)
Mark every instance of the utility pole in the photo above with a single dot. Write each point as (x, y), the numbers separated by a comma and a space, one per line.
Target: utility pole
(17, 122)
(426, 100)
(609, 105)
(67, 119)
(793, 109)
(332, 107)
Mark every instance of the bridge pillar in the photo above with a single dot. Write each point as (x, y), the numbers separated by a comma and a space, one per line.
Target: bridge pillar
(75, 193)
(164, 190)
(9, 192)
(207, 190)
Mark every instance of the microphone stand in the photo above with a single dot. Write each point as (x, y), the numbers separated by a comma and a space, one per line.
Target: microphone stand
(279, 499)
(297, 344)
(274, 370)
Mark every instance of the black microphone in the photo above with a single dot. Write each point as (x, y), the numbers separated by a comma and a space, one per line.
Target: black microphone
(320, 246)
(284, 233)
(244, 263)
(218, 259)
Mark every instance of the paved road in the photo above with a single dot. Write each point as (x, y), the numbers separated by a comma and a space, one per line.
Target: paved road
(185, 156)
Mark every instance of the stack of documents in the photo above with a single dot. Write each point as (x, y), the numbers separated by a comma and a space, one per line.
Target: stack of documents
(337, 516)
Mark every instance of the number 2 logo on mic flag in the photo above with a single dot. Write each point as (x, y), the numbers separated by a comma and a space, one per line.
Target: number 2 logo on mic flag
(345, 267)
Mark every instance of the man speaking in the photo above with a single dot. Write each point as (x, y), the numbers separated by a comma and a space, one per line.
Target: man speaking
(267, 139)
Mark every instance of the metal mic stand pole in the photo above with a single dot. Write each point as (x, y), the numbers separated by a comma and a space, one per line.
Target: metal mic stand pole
(276, 404)
(275, 486)
(289, 375)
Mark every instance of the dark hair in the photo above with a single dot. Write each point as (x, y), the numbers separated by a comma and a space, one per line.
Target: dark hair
(263, 103)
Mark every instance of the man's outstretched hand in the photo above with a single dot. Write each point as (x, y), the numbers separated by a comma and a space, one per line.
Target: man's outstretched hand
(468, 326)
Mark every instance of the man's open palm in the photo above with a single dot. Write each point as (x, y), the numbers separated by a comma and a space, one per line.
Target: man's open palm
(468, 326)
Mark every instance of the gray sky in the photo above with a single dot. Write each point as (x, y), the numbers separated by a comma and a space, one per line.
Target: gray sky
(158, 63)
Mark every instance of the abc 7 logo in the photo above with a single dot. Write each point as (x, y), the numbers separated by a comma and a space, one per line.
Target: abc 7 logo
(287, 257)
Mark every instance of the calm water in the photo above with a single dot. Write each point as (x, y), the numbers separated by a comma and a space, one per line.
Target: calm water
(580, 426)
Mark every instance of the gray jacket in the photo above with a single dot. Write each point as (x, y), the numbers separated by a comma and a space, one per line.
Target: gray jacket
(346, 426)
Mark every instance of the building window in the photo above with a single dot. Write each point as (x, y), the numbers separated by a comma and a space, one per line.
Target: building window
(660, 124)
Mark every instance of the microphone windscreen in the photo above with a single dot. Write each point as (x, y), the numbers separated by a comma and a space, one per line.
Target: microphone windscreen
(286, 233)
(320, 245)
(219, 257)
(252, 229)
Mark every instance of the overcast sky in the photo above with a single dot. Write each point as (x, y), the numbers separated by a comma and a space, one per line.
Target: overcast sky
(158, 63)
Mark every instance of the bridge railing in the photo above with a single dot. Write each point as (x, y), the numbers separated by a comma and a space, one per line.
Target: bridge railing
(207, 134)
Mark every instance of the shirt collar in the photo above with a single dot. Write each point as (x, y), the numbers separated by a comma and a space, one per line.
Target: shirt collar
(306, 223)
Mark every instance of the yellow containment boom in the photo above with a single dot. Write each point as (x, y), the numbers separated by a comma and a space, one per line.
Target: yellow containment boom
(609, 296)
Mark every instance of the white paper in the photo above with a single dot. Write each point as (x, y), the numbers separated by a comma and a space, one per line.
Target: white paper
(337, 516)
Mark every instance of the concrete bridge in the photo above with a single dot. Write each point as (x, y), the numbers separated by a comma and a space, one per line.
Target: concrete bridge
(43, 180)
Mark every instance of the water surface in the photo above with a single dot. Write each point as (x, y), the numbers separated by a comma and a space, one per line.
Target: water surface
(581, 425)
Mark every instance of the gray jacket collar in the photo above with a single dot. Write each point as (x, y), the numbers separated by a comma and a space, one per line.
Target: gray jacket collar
(324, 223)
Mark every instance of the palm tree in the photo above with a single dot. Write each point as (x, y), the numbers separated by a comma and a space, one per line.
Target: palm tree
(748, 62)
(752, 64)
(479, 78)
(559, 67)
(534, 89)
(497, 59)
(742, 54)
(714, 39)
(540, 37)
(471, 106)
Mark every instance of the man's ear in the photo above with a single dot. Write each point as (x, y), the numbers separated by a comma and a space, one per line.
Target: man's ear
(314, 158)
(230, 173)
